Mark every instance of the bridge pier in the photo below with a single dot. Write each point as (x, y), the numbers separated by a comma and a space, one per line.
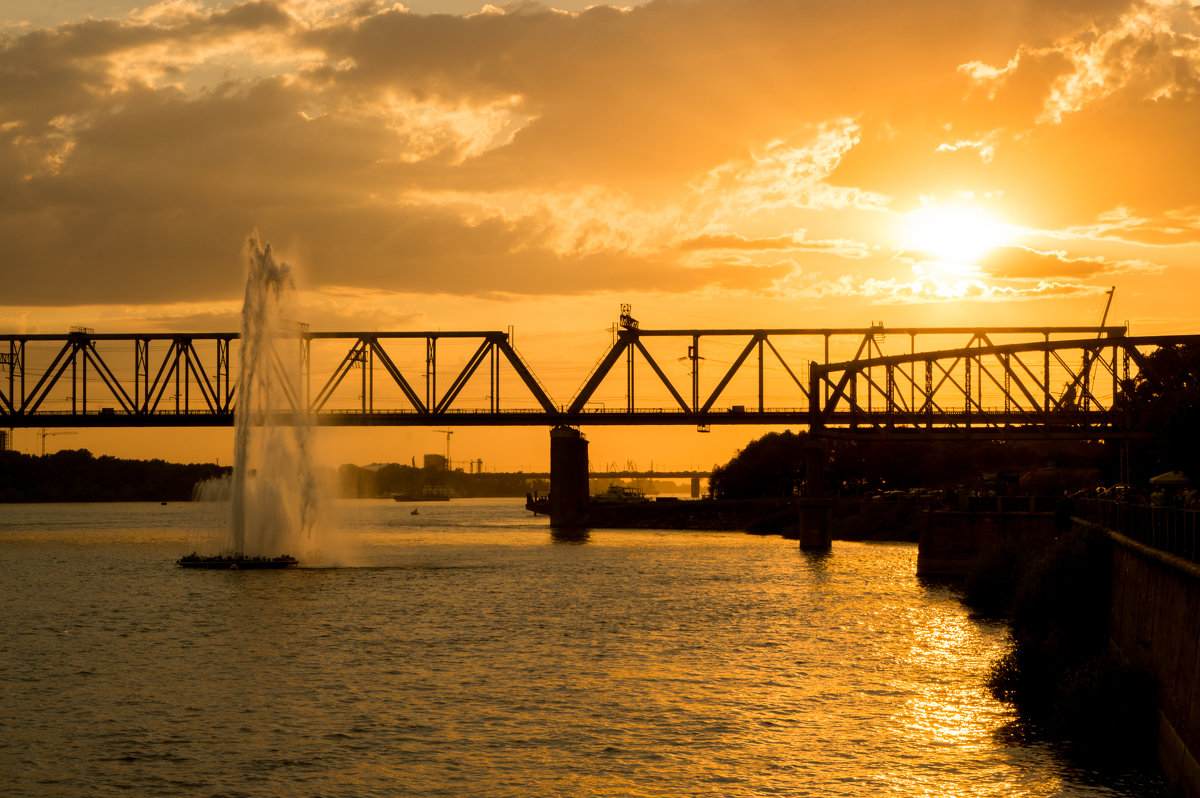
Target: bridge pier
(816, 523)
(816, 511)
(568, 477)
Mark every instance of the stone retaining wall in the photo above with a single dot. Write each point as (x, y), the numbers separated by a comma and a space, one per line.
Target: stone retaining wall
(1156, 623)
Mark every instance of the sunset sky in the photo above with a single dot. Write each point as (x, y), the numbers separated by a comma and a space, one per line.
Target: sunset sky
(715, 163)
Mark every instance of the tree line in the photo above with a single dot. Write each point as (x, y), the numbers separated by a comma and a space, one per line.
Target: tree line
(75, 475)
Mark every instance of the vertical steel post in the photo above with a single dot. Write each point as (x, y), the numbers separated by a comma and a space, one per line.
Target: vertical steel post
(761, 401)
(12, 374)
(362, 363)
(1004, 358)
(929, 394)
(629, 379)
(826, 381)
(223, 372)
(967, 385)
(694, 354)
(912, 371)
(431, 372)
(1046, 375)
(890, 371)
(187, 375)
(81, 353)
(306, 370)
(495, 403)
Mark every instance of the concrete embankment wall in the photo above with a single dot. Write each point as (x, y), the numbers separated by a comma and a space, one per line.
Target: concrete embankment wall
(1156, 624)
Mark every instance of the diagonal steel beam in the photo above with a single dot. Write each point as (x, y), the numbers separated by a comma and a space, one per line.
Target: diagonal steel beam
(732, 370)
(353, 355)
(661, 376)
(49, 379)
(463, 377)
(526, 374)
(107, 377)
(625, 337)
(390, 367)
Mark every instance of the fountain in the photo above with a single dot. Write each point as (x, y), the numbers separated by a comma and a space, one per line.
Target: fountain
(274, 493)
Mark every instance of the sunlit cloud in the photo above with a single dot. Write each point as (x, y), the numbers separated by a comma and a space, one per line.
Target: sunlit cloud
(797, 241)
(1153, 52)
(789, 174)
(716, 146)
(426, 130)
(1122, 224)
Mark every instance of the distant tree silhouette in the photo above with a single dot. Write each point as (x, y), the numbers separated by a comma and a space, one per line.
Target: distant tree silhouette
(775, 465)
(74, 475)
(769, 467)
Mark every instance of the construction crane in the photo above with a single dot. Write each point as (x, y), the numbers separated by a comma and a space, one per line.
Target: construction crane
(44, 435)
(447, 433)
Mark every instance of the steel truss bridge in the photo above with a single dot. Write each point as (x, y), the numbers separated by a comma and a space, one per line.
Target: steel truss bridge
(1000, 382)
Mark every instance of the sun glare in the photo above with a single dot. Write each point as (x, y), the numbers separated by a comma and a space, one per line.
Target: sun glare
(955, 234)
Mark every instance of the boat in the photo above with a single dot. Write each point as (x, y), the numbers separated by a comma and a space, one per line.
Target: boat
(620, 494)
(235, 562)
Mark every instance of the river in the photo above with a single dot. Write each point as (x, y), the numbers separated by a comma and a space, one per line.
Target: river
(466, 652)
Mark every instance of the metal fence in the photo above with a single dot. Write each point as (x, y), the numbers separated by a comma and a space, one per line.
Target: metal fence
(1174, 530)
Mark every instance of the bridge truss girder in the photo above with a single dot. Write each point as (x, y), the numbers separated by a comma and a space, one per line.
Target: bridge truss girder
(941, 393)
(188, 380)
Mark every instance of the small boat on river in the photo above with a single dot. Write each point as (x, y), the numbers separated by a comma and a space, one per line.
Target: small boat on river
(235, 562)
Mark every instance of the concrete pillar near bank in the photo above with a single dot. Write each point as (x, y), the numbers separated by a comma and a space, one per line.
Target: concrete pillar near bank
(816, 511)
(568, 477)
(695, 487)
(816, 523)
(814, 470)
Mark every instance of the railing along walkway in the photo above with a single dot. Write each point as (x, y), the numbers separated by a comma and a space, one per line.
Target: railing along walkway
(1174, 530)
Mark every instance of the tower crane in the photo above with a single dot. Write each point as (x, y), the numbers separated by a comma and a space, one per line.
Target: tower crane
(44, 435)
(447, 433)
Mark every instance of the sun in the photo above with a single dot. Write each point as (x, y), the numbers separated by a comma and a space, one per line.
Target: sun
(957, 235)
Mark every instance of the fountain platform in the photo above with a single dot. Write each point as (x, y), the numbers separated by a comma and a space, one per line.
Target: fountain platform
(235, 562)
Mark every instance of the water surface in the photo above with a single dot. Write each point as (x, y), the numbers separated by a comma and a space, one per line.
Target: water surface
(467, 652)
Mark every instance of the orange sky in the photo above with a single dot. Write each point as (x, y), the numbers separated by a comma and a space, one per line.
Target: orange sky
(715, 163)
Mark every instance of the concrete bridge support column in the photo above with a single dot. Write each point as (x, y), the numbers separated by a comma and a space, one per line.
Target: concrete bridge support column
(568, 477)
(814, 470)
(695, 487)
(816, 522)
(816, 511)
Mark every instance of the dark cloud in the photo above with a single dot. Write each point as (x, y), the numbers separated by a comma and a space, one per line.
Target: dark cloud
(1023, 263)
(539, 152)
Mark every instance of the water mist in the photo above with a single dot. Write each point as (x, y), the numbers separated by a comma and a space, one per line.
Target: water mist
(275, 497)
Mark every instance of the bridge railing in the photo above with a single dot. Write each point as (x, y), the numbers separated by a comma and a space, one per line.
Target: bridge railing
(1174, 530)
